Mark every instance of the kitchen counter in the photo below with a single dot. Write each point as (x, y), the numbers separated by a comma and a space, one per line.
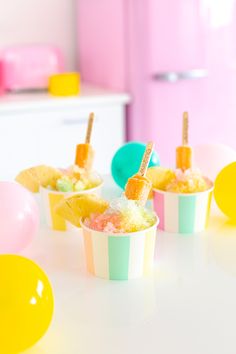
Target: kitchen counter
(40, 129)
(42, 100)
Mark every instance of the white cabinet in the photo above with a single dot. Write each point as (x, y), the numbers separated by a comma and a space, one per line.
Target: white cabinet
(37, 129)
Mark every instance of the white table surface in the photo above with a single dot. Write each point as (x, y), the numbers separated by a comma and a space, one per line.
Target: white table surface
(188, 306)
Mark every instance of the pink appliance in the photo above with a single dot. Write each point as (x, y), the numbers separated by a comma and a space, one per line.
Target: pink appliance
(171, 56)
(2, 87)
(28, 67)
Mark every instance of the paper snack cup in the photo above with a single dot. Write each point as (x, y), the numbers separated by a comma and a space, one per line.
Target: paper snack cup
(51, 198)
(119, 256)
(182, 213)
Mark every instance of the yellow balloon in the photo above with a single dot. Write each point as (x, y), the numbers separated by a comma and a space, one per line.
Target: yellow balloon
(225, 190)
(26, 303)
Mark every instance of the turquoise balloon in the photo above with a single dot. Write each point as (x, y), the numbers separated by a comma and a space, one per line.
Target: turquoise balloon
(127, 160)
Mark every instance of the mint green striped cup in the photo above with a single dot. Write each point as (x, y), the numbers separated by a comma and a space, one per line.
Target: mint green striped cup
(119, 256)
(182, 213)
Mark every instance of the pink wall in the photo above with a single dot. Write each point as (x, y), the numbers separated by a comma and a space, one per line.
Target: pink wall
(40, 21)
(101, 33)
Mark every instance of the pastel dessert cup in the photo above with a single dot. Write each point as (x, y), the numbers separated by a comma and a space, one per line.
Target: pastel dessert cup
(50, 200)
(119, 256)
(183, 213)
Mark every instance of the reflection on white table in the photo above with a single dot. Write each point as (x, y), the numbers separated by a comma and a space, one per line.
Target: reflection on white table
(188, 305)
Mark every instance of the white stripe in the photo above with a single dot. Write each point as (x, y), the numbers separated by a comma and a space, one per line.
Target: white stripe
(46, 206)
(151, 236)
(171, 212)
(136, 256)
(100, 254)
(201, 211)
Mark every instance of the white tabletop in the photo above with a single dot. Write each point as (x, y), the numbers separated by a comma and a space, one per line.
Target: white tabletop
(188, 306)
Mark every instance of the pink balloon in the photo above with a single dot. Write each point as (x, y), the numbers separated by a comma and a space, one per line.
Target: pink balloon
(211, 158)
(19, 217)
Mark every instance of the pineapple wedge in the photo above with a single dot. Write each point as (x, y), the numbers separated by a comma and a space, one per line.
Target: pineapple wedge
(34, 177)
(74, 208)
(160, 176)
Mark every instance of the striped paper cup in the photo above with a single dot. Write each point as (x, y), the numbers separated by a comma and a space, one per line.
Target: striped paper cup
(51, 198)
(119, 256)
(182, 213)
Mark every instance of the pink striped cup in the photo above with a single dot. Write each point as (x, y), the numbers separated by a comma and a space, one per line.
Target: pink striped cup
(120, 256)
(182, 213)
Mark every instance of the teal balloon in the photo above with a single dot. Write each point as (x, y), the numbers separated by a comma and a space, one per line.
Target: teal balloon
(127, 160)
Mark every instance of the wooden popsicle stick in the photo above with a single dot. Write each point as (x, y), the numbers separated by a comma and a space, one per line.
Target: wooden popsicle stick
(89, 128)
(185, 129)
(146, 158)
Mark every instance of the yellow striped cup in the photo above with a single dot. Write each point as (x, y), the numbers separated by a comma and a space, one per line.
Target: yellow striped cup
(51, 198)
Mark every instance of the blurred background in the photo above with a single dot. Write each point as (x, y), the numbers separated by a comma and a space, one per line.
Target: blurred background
(40, 22)
(141, 64)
